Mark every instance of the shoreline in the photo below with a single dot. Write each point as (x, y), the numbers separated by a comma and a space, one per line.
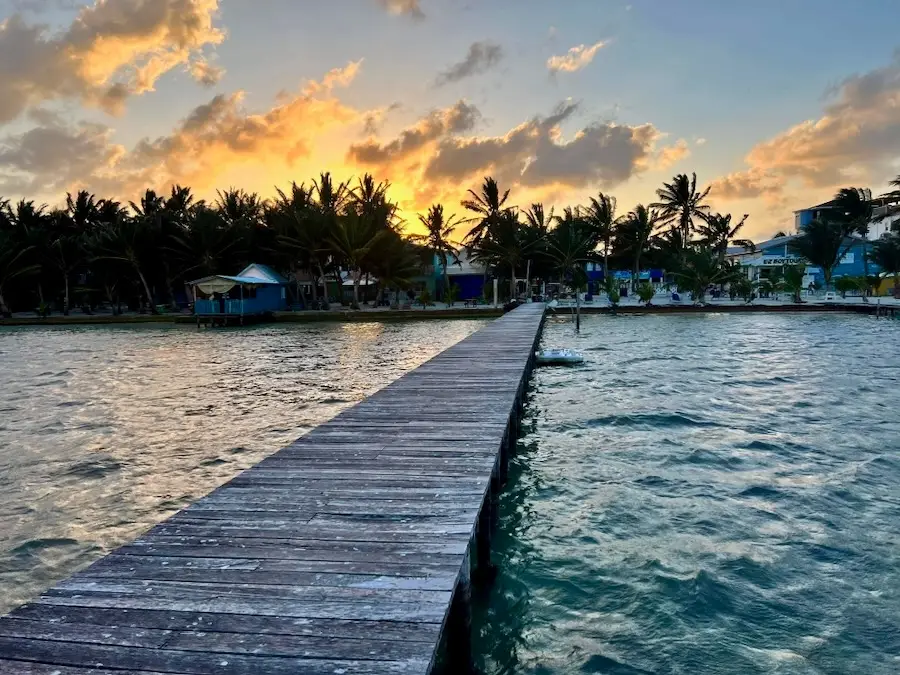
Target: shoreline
(362, 316)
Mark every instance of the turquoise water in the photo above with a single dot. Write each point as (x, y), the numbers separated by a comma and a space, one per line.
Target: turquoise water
(105, 431)
(707, 495)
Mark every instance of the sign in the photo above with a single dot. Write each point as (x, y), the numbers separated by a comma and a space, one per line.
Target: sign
(778, 261)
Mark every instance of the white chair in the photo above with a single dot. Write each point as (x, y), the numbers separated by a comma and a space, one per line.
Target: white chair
(830, 296)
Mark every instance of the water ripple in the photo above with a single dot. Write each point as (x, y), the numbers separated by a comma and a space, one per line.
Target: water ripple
(109, 429)
(706, 495)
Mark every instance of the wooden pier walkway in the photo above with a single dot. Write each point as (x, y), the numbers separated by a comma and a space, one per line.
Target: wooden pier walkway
(348, 552)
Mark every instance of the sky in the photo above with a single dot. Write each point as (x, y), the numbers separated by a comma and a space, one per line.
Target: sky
(774, 104)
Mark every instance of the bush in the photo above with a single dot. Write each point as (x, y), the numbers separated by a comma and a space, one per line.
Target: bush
(425, 298)
(844, 285)
(646, 292)
(612, 292)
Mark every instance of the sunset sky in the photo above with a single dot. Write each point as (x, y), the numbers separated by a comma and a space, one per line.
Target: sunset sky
(775, 103)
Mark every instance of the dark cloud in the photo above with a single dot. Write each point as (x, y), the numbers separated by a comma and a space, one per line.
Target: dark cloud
(482, 56)
(49, 158)
(533, 154)
(458, 118)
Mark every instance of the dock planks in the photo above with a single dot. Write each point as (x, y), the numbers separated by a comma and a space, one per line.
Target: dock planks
(340, 553)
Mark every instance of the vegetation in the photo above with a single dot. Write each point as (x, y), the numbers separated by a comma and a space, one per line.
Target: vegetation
(793, 281)
(94, 251)
(646, 292)
(885, 253)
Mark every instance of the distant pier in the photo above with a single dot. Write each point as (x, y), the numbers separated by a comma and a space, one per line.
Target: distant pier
(351, 551)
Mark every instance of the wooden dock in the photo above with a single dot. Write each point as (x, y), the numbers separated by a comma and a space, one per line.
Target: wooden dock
(348, 552)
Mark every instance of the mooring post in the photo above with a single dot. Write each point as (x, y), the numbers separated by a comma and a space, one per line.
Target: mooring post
(459, 626)
(503, 466)
(484, 568)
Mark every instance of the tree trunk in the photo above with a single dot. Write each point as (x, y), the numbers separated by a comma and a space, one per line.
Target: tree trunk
(146, 286)
(4, 308)
(446, 285)
(356, 280)
(111, 299)
(512, 283)
(606, 261)
(340, 287)
(577, 311)
(66, 296)
(324, 285)
(865, 289)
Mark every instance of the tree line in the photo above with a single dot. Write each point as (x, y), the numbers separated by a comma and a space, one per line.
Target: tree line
(98, 251)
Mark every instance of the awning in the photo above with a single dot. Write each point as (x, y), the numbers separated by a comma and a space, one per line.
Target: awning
(222, 284)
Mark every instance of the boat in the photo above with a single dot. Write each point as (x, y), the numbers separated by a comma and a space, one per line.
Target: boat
(558, 357)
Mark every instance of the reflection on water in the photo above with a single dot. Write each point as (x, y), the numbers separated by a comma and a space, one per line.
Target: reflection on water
(106, 430)
(707, 494)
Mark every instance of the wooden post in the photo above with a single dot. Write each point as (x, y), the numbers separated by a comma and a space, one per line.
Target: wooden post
(459, 625)
(503, 468)
(484, 569)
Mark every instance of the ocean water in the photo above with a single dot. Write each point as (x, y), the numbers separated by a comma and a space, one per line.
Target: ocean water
(105, 431)
(708, 494)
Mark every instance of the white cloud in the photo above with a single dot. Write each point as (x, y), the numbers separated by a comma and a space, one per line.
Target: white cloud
(575, 59)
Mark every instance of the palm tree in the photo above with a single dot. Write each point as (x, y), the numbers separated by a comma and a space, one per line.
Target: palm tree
(601, 214)
(855, 209)
(304, 230)
(14, 252)
(353, 240)
(703, 269)
(570, 246)
(793, 281)
(536, 227)
(128, 241)
(330, 201)
(438, 239)
(718, 233)
(680, 202)
(33, 225)
(822, 244)
(505, 245)
(396, 264)
(886, 254)
(489, 207)
(205, 245)
(633, 234)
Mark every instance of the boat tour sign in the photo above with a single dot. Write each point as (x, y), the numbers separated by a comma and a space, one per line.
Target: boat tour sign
(779, 260)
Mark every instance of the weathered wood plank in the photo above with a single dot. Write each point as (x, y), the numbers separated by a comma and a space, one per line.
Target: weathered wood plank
(192, 662)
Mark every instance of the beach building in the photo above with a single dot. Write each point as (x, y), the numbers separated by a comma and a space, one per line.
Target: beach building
(881, 222)
(776, 253)
(467, 274)
(256, 291)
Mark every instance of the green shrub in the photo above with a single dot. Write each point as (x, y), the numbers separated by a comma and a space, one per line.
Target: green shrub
(646, 292)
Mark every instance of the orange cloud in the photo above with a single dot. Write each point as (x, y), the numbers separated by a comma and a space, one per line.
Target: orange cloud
(212, 140)
(857, 138)
(113, 49)
(575, 59)
(671, 155)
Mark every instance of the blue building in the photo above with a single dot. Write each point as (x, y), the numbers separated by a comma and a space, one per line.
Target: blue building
(256, 291)
(777, 253)
(466, 274)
